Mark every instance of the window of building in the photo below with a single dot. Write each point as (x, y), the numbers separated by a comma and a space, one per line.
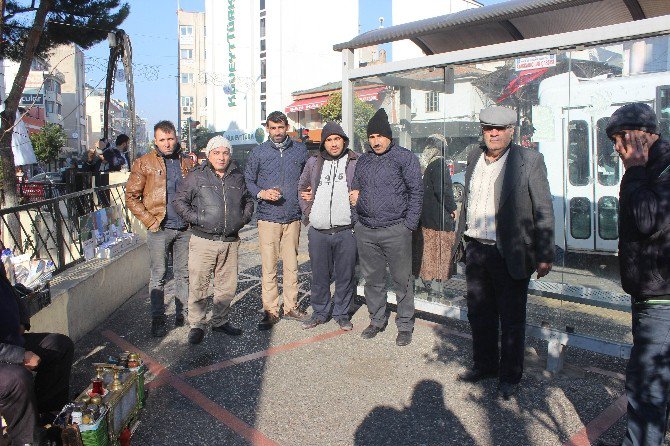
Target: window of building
(262, 47)
(262, 4)
(186, 30)
(57, 85)
(47, 85)
(264, 113)
(432, 101)
(204, 31)
(59, 109)
(205, 101)
(263, 67)
(186, 54)
(262, 87)
(50, 106)
(187, 101)
(262, 28)
(187, 78)
(204, 55)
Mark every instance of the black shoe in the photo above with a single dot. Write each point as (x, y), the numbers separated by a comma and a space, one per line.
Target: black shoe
(296, 315)
(179, 320)
(311, 323)
(345, 324)
(475, 375)
(268, 321)
(507, 390)
(195, 335)
(370, 332)
(404, 338)
(158, 327)
(228, 329)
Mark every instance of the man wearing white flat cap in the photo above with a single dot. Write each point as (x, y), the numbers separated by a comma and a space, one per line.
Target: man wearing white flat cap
(214, 200)
(508, 231)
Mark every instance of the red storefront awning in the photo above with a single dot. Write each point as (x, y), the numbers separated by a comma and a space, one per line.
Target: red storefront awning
(366, 95)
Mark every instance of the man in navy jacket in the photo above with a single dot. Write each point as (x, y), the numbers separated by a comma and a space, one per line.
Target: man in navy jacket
(387, 191)
(24, 398)
(271, 174)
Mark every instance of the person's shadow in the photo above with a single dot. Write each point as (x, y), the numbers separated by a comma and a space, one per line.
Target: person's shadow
(427, 421)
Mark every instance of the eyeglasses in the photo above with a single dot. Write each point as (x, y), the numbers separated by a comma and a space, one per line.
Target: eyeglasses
(488, 128)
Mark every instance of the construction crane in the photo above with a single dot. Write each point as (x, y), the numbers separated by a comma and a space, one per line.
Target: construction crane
(120, 48)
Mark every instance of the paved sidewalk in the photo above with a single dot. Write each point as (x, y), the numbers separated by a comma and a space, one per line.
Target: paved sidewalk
(328, 387)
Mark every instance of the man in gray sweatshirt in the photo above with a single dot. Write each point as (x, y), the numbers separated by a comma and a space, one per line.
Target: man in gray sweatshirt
(324, 199)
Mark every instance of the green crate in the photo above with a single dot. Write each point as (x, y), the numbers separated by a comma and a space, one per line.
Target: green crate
(95, 434)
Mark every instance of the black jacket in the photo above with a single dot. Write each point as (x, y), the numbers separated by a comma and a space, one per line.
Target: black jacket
(644, 226)
(13, 314)
(438, 197)
(214, 205)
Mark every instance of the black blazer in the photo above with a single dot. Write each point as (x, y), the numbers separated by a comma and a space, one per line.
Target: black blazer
(524, 215)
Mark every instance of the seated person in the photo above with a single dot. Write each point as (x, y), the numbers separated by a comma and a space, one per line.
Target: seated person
(26, 401)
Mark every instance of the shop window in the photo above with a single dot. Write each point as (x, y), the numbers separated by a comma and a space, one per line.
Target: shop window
(608, 159)
(608, 218)
(580, 218)
(578, 153)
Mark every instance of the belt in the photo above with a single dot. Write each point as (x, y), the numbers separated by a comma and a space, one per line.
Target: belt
(214, 237)
(335, 230)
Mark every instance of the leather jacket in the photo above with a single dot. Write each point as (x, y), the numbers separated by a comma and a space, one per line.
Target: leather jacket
(146, 189)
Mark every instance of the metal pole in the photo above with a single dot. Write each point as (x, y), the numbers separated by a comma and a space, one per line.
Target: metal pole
(190, 140)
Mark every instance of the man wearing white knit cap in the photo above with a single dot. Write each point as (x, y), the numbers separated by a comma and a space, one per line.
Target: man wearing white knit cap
(214, 200)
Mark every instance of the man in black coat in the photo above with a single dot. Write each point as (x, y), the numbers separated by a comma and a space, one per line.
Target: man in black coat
(644, 259)
(214, 200)
(508, 228)
(24, 399)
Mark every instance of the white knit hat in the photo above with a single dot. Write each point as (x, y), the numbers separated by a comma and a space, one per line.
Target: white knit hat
(215, 142)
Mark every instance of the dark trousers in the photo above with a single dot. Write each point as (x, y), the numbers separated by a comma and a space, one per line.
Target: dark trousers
(23, 397)
(648, 376)
(495, 299)
(160, 243)
(377, 248)
(333, 258)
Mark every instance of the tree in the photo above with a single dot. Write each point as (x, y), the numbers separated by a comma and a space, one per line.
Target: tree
(54, 22)
(48, 142)
(363, 112)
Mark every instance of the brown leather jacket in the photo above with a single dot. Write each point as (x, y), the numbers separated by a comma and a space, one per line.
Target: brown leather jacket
(146, 189)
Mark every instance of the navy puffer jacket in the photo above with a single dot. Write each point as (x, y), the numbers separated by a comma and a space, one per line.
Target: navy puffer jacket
(269, 167)
(390, 188)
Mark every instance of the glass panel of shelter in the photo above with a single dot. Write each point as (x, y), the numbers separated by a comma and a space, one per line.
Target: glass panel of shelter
(563, 105)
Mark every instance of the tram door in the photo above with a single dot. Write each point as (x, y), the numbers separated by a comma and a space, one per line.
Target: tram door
(592, 177)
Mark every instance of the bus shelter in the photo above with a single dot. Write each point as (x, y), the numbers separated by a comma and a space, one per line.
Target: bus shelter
(564, 66)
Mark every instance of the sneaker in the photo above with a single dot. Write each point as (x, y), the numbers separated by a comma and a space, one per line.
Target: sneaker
(196, 335)
(296, 315)
(268, 321)
(370, 332)
(404, 338)
(311, 323)
(179, 320)
(228, 329)
(345, 324)
(158, 327)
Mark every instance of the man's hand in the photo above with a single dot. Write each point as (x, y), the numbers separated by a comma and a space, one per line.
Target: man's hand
(270, 195)
(353, 197)
(543, 269)
(30, 360)
(633, 147)
(306, 194)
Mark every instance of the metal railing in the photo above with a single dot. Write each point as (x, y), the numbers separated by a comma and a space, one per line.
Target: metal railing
(49, 229)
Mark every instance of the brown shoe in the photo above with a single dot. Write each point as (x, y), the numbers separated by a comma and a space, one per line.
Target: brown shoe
(268, 321)
(296, 315)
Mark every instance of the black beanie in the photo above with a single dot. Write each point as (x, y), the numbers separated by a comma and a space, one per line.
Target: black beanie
(379, 124)
(636, 116)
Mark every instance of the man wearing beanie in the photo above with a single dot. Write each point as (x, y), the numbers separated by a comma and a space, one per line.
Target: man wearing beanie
(387, 193)
(214, 200)
(644, 260)
(508, 232)
(324, 199)
(272, 173)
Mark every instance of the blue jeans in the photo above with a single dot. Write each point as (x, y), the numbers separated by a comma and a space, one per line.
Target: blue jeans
(648, 376)
(160, 243)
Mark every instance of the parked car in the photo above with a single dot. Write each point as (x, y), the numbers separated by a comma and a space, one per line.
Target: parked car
(46, 177)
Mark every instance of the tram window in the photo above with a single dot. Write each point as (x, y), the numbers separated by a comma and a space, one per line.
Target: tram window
(579, 170)
(608, 160)
(608, 218)
(580, 218)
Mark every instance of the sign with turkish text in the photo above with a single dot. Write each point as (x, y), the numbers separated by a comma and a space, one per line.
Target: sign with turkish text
(32, 98)
(535, 62)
